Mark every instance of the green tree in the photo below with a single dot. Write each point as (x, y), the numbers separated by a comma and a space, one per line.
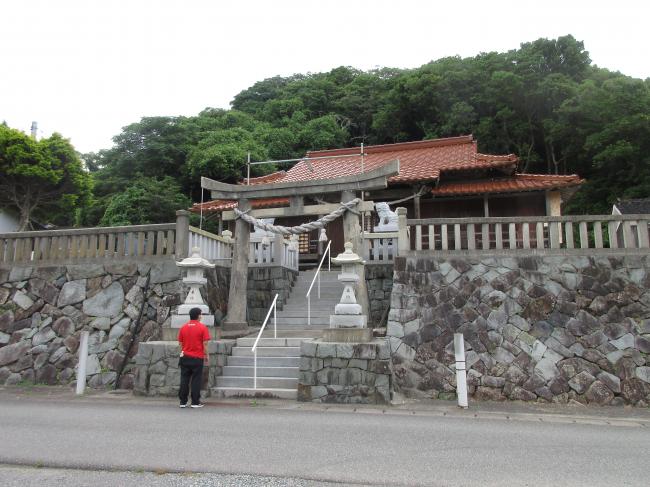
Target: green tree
(544, 102)
(605, 131)
(147, 200)
(222, 155)
(41, 179)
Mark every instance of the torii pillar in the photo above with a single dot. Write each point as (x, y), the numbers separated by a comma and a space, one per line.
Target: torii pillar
(352, 234)
(235, 322)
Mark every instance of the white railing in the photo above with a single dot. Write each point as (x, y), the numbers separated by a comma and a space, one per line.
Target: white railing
(380, 247)
(317, 278)
(259, 335)
(260, 252)
(275, 251)
(525, 233)
(213, 247)
(290, 254)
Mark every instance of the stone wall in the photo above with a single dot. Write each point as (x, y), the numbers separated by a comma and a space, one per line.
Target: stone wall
(156, 371)
(263, 284)
(357, 373)
(379, 280)
(554, 327)
(43, 311)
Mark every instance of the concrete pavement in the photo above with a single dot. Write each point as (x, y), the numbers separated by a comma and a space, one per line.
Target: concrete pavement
(417, 443)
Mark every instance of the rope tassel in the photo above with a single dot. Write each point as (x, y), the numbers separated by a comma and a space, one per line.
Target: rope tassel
(299, 229)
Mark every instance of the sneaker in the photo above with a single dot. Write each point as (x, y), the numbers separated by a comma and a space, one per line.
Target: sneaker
(183, 405)
(200, 405)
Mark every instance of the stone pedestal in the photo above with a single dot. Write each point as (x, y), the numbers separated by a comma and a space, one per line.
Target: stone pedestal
(347, 335)
(231, 329)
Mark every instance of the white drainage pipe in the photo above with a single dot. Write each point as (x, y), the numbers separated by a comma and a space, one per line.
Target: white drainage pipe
(461, 377)
(83, 360)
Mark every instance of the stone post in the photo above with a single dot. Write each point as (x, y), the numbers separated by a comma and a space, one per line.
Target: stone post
(403, 243)
(235, 322)
(182, 234)
(352, 234)
(278, 249)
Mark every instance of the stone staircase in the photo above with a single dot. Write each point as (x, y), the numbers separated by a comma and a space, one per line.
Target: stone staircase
(278, 359)
(293, 315)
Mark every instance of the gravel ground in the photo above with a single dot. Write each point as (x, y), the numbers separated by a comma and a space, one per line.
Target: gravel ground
(54, 477)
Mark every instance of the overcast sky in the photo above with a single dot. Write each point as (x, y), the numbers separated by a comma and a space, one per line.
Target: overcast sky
(86, 68)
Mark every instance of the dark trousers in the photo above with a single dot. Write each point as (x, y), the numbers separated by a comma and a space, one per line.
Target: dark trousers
(191, 370)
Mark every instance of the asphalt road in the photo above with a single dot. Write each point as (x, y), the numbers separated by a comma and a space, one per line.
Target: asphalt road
(302, 445)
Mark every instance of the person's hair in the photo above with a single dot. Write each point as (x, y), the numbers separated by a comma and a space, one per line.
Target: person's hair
(195, 313)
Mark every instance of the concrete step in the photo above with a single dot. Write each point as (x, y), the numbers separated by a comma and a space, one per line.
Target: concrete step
(271, 342)
(301, 313)
(315, 300)
(314, 327)
(302, 321)
(324, 283)
(323, 272)
(324, 293)
(247, 361)
(247, 371)
(303, 334)
(316, 303)
(267, 352)
(334, 284)
(222, 392)
(303, 307)
(265, 382)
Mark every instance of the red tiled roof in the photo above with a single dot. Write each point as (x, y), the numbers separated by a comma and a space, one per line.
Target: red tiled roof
(268, 178)
(419, 161)
(514, 184)
(222, 205)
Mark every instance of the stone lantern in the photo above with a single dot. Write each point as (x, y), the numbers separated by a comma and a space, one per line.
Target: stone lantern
(195, 266)
(348, 324)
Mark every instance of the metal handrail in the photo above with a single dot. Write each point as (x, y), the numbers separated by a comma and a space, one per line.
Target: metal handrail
(273, 308)
(317, 276)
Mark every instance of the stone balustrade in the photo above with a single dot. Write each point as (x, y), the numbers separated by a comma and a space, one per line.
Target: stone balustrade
(88, 244)
(526, 234)
(217, 249)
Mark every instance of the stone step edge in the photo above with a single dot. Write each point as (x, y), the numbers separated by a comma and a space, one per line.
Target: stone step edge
(260, 347)
(259, 393)
(251, 389)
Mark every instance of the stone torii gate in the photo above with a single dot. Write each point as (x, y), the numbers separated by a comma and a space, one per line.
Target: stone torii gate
(347, 186)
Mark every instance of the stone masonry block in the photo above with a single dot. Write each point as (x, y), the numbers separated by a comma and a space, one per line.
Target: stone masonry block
(305, 363)
(365, 350)
(358, 364)
(325, 350)
(308, 348)
(344, 350)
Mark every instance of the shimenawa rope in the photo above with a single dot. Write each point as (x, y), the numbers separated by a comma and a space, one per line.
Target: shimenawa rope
(305, 227)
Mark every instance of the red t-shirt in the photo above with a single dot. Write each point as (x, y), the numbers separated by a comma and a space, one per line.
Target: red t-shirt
(191, 337)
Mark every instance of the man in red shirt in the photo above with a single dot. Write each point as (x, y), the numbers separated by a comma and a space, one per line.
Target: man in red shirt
(193, 339)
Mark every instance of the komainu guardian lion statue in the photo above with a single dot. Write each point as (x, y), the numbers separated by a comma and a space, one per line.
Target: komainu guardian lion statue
(387, 218)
